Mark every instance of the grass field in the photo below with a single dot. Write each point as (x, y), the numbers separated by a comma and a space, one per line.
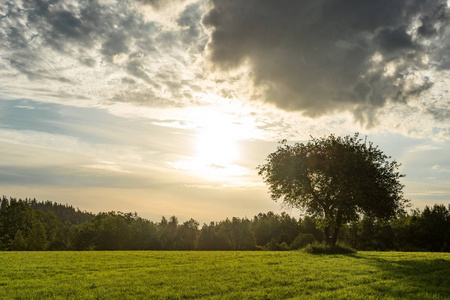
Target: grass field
(223, 275)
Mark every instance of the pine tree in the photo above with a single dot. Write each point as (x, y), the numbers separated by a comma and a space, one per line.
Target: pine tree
(37, 239)
(18, 243)
(4, 203)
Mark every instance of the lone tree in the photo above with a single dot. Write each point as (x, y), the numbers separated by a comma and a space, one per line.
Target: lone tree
(337, 179)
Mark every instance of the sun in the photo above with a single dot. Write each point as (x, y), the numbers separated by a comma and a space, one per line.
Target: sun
(217, 155)
(217, 152)
(217, 145)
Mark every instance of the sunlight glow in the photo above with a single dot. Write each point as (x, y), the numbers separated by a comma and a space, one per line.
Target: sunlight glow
(217, 145)
(216, 148)
(224, 174)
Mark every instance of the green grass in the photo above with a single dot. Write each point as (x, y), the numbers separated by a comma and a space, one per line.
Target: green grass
(223, 275)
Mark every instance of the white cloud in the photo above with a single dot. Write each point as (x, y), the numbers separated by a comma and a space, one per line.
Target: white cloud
(421, 148)
(440, 169)
(108, 166)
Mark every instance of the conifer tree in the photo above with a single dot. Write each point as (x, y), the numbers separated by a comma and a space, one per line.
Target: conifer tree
(37, 238)
(18, 243)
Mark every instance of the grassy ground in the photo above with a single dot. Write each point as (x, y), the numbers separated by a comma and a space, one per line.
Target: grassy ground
(223, 275)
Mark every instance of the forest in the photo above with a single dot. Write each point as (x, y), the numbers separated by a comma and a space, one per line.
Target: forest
(38, 226)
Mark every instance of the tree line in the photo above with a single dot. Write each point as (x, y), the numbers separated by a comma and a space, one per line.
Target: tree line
(37, 226)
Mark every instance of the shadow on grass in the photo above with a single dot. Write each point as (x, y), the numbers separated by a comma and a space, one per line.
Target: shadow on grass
(411, 277)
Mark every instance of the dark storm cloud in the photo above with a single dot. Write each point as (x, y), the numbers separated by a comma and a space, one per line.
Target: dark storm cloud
(325, 55)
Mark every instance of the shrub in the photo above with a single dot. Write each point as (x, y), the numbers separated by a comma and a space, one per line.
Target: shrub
(274, 246)
(327, 249)
(302, 240)
(445, 247)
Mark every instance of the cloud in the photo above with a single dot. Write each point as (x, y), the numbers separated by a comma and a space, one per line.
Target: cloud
(315, 58)
(422, 148)
(324, 56)
(84, 49)
(107, 166)
(440, 169)
(160, 3)
(440, 113)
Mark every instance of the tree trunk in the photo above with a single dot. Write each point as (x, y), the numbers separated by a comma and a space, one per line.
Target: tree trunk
(327, 224)
(326, 232)
(337, 226)
(335, 234)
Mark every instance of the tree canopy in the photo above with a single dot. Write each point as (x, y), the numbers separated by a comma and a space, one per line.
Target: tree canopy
(337, 179)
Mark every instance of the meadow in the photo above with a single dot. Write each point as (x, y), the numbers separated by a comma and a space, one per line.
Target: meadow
(223, 275)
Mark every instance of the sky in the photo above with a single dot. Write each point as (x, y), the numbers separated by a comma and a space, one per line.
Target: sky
(167, 107)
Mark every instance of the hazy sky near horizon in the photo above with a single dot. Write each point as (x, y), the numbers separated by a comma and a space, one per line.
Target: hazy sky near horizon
(167, 107)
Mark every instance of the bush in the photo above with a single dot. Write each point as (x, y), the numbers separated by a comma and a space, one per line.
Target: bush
(302, 240)
(445, 247)
(326, 249)
(57, 246)
(274, 246)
